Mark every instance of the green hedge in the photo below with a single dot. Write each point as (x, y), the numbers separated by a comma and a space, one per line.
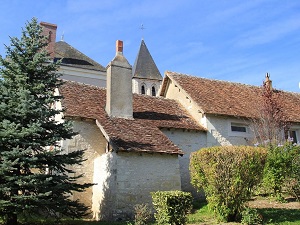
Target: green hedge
(227, 174)
(171, 206)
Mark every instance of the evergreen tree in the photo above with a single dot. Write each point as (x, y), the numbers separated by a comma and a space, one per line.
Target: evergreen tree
(34, 170)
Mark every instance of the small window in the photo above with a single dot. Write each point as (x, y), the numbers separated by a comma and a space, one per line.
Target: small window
(143, 90)
(235, 127)
(153, 91)
(293, 136)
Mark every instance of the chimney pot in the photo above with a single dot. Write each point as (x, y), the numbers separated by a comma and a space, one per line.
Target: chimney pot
(268, 82)
(119, 47)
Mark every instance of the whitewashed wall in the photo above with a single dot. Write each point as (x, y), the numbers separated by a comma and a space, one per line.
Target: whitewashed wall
(91, 139)
(93, 77)
(131, 177)
(188, 141)
(137, 85)
(219, 131)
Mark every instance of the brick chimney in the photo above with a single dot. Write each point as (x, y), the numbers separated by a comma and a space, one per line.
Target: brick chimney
(268, 82)
(119, 86)
(49, 30)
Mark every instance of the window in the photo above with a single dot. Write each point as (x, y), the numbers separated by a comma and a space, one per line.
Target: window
(153, 91)
(238, 129)
(143, 90)
(292, 134)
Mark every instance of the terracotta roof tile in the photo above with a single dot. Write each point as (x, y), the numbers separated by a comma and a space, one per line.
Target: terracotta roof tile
(139, 134)
(228, 98)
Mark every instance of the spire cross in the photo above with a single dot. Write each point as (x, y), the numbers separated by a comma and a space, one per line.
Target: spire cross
(62, 36)
(142, 29)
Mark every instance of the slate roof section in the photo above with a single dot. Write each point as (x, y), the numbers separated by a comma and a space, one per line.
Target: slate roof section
(72, 57)
(144, 66)
(141, 134)
(229, 98)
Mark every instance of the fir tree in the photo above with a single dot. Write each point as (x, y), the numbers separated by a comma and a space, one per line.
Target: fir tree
(34, 170)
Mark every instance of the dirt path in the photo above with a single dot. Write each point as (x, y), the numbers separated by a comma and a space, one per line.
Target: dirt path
(265, 203)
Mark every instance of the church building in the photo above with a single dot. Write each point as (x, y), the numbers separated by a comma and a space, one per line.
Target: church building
(139, 129)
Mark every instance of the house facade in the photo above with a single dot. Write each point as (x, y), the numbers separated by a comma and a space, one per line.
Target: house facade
(139, 130)
(225, 108)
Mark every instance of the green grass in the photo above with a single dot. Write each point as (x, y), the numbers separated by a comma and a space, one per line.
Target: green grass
(199, 215)
(281, 216)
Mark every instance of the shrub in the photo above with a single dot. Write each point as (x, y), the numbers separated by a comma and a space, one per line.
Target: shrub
(251, 217)
(292, 184)
(282, 168)
(142, 214)
(228, 175)
(171, 206)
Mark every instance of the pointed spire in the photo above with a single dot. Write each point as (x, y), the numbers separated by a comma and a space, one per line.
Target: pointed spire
(144, 65)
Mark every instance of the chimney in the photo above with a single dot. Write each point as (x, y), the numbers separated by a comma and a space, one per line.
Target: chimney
(119, 86)
(268, 82)
(49, 30)
(119, 47)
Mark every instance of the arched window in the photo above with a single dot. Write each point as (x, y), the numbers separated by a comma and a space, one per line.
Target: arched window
(143, 90)
(153, 91)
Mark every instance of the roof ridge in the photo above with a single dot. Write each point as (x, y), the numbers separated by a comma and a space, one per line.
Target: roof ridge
(171, 73)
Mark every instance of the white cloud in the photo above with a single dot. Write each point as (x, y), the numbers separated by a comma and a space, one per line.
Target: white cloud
(269, 32)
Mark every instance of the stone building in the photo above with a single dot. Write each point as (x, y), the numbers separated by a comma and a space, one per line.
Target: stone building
(137, 143)
(75, 65)
(146, 78)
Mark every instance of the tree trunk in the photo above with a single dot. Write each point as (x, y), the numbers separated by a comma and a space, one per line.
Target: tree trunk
(12, 219)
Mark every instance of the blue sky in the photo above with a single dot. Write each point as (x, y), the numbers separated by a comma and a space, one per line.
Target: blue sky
(226, 40)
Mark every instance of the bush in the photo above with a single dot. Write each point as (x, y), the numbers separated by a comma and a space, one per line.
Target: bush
(171, 206)
(282, 169)
(142, 214)
(228, 175)
(292, 184)
(251, 217)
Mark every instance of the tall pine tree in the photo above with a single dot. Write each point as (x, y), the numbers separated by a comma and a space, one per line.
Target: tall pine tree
(34, 174)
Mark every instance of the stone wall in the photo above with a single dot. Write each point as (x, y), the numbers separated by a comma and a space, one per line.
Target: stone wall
(92, 77)
(137, 84)
(92, 141)
(132, 176)
(188, 141)
(175, 92)
(219, 131)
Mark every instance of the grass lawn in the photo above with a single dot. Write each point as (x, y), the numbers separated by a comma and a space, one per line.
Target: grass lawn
(275, 214)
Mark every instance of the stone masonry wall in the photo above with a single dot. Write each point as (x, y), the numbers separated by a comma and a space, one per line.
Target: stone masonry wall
(138, 174)
(188, 142)
(137, 84)
(90, 139)
(219, 132)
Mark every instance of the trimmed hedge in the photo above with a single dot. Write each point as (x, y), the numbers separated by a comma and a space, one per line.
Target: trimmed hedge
(227, 175)
(171, 206)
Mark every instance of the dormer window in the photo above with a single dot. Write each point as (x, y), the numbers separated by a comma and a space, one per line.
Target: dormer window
(143, 91)
(153, 91)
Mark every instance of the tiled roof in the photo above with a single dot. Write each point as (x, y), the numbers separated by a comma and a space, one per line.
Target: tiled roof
(144, 66)
(228, 98)
(72, 57)
(140, 134)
